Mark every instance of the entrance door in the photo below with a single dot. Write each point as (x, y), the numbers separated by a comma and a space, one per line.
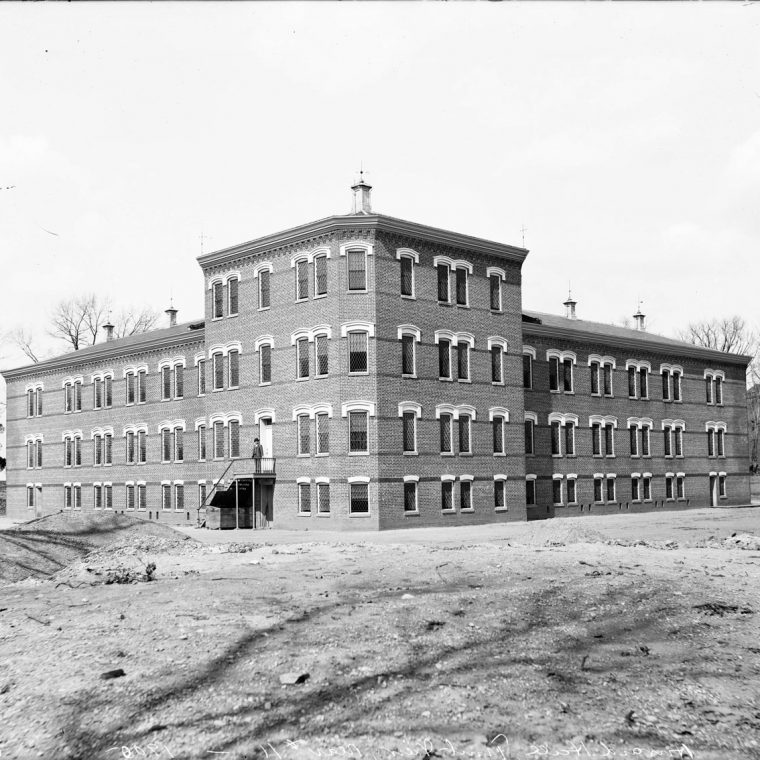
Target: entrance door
(265, 436)
(713, 490)
(263, 502)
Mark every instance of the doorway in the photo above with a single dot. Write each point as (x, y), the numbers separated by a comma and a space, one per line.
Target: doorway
(263, 502)
(266, 436)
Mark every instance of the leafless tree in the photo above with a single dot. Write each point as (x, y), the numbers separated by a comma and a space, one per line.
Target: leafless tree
(23, 339)
(131, 322)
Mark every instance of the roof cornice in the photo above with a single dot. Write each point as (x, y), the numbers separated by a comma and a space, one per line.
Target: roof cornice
(587, 336)
(108, 350)
(377, 222)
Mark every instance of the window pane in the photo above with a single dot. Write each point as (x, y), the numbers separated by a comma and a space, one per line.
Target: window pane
(98, 394)
(643, 383)
(718, 390)
(676, 386)
(232, 296)
(553, 373)
(323, 434)
(302, 279)
(359, 498)
(464, 434)
(445, 433)
(357, 272)
(597, 489)
(357, 351)
(218, 367)
(633, 435)
(357, 427)
(108, 394)
(179, 497)
(497, 430)
(142, 497)
(304, 497)
(635, 489)
(108, 459)
(609, 440)
(530, 492)
(218, 300)
(201, 377)
(166, 445)
(410, 497)
(323, 498)
(142, 446)
(320, 348)
(569, 439)
(302, 358)
(496, 368)
(444, 359)
(443, 283)
(131, 381)
(447, 495)
(495, 285)
(555, 439)
(320, 275)
(461, 274)
(407, 354)
(528, 436)
(166, 383)
(407, 273)
(463, 361)
(557, 491)
(527, 371)
(234, 369)
(304, 441)
(499, 487)
(179, 382)
(130, 497)
(645, 441)
(607, 379)
(571, 497)
(201, 442)
(234, 438)
(666, 386)
(647, 488)
(408, 422)
(465, 494)
(264, 289)
(632, 381)
(266, 364)
(610, 489)
(595, 377)
(567, 366)
(219, 440)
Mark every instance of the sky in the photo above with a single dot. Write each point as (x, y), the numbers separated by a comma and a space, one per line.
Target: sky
(621, 140)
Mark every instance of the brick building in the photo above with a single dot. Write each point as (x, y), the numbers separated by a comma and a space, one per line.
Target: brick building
(394, 380)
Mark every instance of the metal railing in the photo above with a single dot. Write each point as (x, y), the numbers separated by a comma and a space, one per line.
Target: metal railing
(243, 468)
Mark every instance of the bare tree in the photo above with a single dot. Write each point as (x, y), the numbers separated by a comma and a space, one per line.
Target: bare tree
(732, 335)
(131, 322)
(23, 339)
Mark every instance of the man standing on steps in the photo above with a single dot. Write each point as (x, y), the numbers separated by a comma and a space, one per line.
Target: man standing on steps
(256, 455)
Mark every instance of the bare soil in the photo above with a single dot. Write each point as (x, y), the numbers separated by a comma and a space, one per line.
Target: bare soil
(633, 635)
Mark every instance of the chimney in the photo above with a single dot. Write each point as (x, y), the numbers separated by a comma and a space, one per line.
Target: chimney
(108, 327)
(362, 191)
(171, 312)
(570, 306)
(639, 318)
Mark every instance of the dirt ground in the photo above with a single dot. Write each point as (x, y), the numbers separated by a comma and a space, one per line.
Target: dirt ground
(623, 636)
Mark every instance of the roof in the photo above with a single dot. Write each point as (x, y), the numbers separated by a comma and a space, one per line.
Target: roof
(552, 325)
(362, 221)
(119, 347)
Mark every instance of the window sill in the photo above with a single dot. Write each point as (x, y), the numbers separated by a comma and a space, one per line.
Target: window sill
(302, 300)
(500, 453)
(463, 380)
(447, 453)
(408, 298)
(498, 382)
(316, 296)
(304, 514)
(233, 387)
(322, 454)
(263, 384)
(264, 308)
(465, 453)
(359, 514)
(446, 379)
(411, 453)
(357, 292)
(501, 509)
(496, 311)
(466, 510)
(217, 319)
(358, 374)
(448, 511)
(445, 303)
(323, 514)
(463, 306)
(301, 379)
(213, 390)
(358, 453)
(412, 513)
(409, 377)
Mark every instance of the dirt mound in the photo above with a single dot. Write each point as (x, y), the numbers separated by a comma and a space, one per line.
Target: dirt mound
(559, 533)
(743, 541)
(42, 547)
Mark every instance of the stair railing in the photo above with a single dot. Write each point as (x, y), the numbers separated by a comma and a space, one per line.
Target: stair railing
(211, 492)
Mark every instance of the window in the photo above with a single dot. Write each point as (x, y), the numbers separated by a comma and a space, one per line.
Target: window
(722, 486)
(408, 356)
(668, 440)
(264, 288)
(595, 387)
(72, 396)
(321, 355)
(265, 364)
(232, 296)
(719, 390)
(410, 496)
(680, 487)
(320, 275)
(569, 439)
(465, 494)
(500, 493)
(527, 370)
(142, 497)
(669, 487)
(172, 381)
(304, 497)
(218, 435)
(201, 377)
(720, 441)
(497, 364)
(643, 382)
(323, 497)
(710, 442)
(461, 286)
(463, 361)
(358, 344)
(598, 485)
(445, 433)
(302, 279)
(557, 492)
(530, 490)
(34, 401)
(562, 433)
(633, 433)
(97, 496)
(494, 283)
(678, 439)
(67, 498)
(359, 498)
(142, 447)
(302, 358)
(97, 388)
(635, 488)
(665, 386)
(632, 382)
(447, 496)
(609, 440)
(709, 389)
(676, 386)
(607, 371)
(647, 487)
(201, 443)
(357, 270)
(130, 496)
(358, 439)
(217, 369)
(304, 437)
(671, 382)
(108, 448)
(166, 445)
(611, 488)
(234, 366)
(179, 488)
(323, 433)
(443, 283)
(166, 496)
(497, 429)
(555, 428)
(560, 371)
(714, 386)
(596, 439)
(409, 428)
(234, 434)
(218, 299)
(645, 452)
(530, 425)
(444, 359)
(572, 490)
(407, 277)
(201, 494)
(464, 434)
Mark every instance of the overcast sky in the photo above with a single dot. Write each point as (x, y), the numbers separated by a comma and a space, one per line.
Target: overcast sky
(625, 138)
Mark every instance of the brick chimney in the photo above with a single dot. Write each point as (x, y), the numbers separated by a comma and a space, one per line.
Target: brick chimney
(171, 312)
(362, 191)
(570, 305)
